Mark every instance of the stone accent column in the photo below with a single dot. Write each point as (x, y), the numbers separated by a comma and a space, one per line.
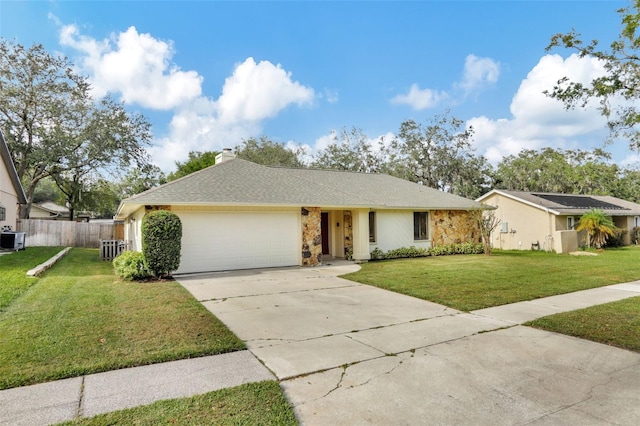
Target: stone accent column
(311, 236)
(361, 235)
(348, 234)
(453, 227)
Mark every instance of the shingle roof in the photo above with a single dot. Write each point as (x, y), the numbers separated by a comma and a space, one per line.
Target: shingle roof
(5, 156)
(573, 204)
(240, 182)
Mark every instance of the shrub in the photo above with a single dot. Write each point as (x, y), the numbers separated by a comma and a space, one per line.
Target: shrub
(377, 254)
(405, 252)
(617, 239)
(130, 266)
(161, 245)
(443, 250)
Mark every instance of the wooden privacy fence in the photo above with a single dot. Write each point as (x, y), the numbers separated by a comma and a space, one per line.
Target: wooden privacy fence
(67, 233)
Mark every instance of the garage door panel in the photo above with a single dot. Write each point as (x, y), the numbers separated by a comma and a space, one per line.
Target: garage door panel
(217, 241)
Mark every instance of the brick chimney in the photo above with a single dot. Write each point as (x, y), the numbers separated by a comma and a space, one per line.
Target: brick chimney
(225, 155)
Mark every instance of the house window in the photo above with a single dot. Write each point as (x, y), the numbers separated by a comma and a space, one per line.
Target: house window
(3, 213)
(420, 225)
(571, 223)
(372, 227)
(636, 221)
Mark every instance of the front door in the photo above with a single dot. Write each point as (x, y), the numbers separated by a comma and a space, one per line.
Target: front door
(324, 229)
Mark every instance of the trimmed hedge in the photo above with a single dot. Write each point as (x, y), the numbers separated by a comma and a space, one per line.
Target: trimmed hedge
(130, 266)
(161, 242)
(408, 252)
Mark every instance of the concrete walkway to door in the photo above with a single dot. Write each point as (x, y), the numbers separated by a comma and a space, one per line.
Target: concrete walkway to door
(350, 354)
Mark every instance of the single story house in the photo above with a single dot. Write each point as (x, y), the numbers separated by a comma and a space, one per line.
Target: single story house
(11, 192)
(547, 221)
(48, 210)
(240, 215)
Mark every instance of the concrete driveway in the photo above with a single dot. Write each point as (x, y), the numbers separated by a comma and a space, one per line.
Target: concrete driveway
(350, 354)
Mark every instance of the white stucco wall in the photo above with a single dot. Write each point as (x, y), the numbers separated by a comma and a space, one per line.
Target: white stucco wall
(394, 229)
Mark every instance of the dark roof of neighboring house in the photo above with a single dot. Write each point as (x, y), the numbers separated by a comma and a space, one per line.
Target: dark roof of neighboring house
(13, 175)
(242, 183)
(572, 204)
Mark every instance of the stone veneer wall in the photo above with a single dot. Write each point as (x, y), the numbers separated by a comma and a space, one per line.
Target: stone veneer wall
(311, 236)
(453, 227)
(347, 223)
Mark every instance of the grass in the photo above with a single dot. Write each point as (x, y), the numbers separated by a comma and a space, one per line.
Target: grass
(13, 272)
(79, 319)
(260, 403)
(469, 282)
(615, 323)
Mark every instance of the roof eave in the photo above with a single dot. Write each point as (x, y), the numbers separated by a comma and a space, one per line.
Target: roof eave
(11, 169)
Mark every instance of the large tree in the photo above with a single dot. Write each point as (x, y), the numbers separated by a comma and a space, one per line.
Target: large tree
(618, 91)
(351, 150)
(269, 153)
(53, 126)
(197, 160)
(556, 170)
(439, 154)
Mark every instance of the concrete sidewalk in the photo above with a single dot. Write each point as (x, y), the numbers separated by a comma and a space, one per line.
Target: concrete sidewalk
(521, 312)
(87, 396)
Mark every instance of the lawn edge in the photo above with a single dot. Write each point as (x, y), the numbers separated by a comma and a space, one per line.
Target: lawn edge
(38, 270)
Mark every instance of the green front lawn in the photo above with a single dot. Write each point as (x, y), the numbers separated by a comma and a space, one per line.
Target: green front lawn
(251, 404)
(615, 323)
(13, 271)
(469, 282)
(79, 319)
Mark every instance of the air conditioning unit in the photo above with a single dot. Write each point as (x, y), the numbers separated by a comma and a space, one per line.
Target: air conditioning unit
(12, 240)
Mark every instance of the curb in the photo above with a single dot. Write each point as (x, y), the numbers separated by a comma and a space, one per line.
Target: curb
(48, 264)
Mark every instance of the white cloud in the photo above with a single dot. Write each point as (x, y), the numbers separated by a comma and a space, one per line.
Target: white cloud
(478, 73)
(258, 91)
(135, 65)
(331, 96)
(537, 120)
(139, 67)
(420, 98)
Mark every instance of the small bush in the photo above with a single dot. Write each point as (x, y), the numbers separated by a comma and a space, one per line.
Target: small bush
(377, 254)
(617, 239)
(443, 250)
(130, 266)
(161, 242)
(405, 252)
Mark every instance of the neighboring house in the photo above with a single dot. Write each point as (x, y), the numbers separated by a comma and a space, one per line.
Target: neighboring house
(241, 215)
(11, 192)
(49, 210)
(548, 220)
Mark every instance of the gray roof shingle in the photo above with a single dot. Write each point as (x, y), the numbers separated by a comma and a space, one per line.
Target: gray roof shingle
(240, 182)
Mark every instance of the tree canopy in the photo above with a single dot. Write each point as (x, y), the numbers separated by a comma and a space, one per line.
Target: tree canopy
(269, 153)
(618, 91)
(351, 151)
(54, 128)
(197, 160)
(439, 154)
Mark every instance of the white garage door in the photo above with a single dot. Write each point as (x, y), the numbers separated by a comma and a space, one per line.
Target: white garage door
(220, 241)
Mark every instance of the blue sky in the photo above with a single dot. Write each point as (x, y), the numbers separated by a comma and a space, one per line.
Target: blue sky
(208, 74)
